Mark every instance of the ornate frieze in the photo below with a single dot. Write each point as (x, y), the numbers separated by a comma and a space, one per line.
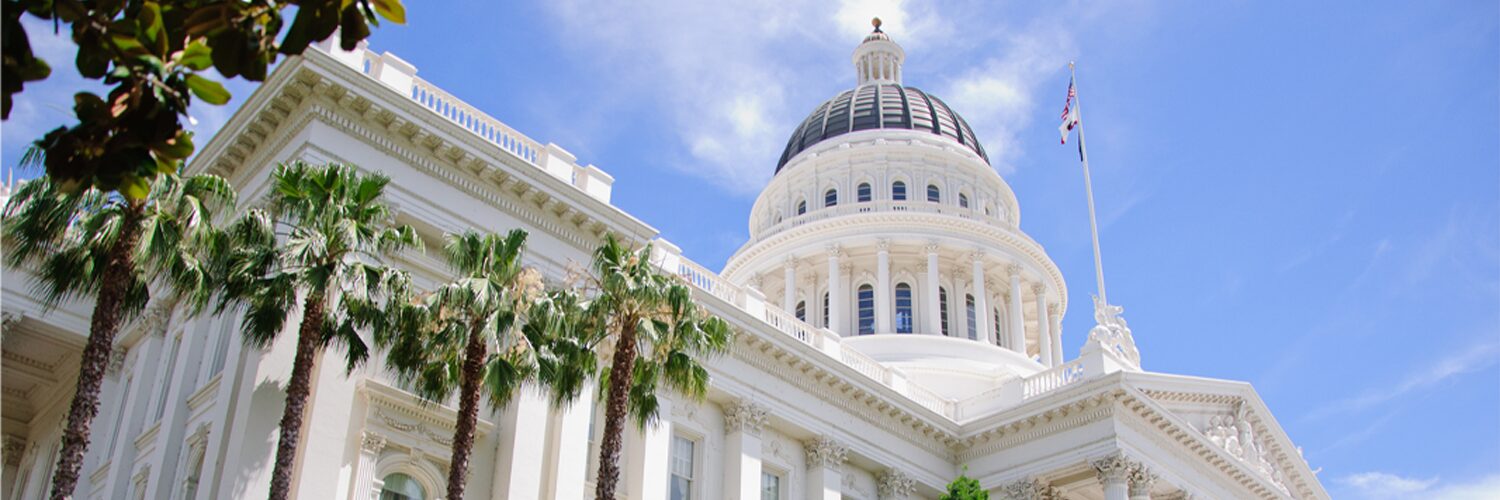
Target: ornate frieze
(1235, 434)
(744, 416)
(892, 484)
(825, 452)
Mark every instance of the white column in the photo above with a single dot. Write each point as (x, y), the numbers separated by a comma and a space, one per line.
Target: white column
(934, 310)
(981, 301)
(1017, 316)
(743, 421)
(363, 487)
(646, 460)
(573, 447)
(523, 434)
(835, 293)
(1054, 320)
(825, 469)
(883, 303)
(1141, 481)
(1114, 473)
(1043, 330)
(789, 296)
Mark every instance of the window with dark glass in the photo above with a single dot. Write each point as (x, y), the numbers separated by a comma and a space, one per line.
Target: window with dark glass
(862, 193)
(963, 200)
(400, 486)
(801, 310)
(801, 207)
(898, 191)
(866, 296)
(825, 311)
(903, 308)
(943, 308)
(934, 194)
(999, 337)
(969, 315)
(831, 198)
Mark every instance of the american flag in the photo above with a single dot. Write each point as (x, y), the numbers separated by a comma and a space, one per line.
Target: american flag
(1069, 114)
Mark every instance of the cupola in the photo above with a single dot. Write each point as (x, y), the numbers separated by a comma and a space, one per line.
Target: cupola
(878, 60)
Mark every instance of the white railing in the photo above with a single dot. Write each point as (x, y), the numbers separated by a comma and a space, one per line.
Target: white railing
(466, 116)
(709, 281)
(789, 324)
(932, 400)
(865, 364)
(910, 206)
(1052, 379)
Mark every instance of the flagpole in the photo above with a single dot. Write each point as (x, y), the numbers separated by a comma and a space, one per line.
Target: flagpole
(1088, 185)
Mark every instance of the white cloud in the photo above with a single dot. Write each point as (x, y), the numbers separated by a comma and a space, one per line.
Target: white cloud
(1381, 485)
(998, 97)
(1471, 359)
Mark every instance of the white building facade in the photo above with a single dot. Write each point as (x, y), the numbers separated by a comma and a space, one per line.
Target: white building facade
(896, 327)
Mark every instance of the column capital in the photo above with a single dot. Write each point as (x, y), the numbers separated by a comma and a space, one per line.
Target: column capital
(833, 249)
(1029, 489)
(1039, 288)
(1114, 468)
(372, 442)
(824, 451)
(1052, 309)
(977, 256)
(745, 416)
(116, 362)
(1013, 270)
(1141, 481)
(892, 484)
(883, 244)
(155, 319)
(932, 247)
(790, 260)
(13, 448)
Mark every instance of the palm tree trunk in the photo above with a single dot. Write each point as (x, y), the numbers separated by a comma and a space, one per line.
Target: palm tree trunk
(116, 281)
(621, 371)
(468, 414)
(297, 390)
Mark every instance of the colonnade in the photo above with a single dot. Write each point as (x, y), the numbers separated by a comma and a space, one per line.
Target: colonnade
(934, 300)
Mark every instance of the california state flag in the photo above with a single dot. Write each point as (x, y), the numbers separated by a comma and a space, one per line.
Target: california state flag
(1069, 114)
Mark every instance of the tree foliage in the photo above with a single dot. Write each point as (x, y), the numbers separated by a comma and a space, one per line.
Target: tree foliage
(154, 55)
(965, 488)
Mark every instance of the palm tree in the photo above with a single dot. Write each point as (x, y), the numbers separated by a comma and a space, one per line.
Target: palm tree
(658, 332)
(320, 237)
(464, 336)
(115, 250)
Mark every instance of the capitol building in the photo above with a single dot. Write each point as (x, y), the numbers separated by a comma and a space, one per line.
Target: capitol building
(896, 328)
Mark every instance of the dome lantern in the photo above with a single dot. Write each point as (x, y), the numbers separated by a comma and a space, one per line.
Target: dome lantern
(878, 60)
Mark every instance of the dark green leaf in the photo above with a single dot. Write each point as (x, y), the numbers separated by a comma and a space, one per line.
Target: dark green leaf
(210, 91)
(197, 56)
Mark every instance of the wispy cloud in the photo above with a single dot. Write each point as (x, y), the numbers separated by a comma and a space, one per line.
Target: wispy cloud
(1475, 358)
(1382, 485)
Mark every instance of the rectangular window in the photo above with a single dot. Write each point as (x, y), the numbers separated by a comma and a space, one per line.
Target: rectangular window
(973, 324)
(903, 308)
(866, 310)
(682, 468)
(770, 486)
(943, 308)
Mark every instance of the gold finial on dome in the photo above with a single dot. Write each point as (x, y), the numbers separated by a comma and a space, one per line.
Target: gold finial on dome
(876, 22)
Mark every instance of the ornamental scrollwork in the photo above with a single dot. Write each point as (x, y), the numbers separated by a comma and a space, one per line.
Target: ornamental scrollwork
(892, 484)
(826, 452)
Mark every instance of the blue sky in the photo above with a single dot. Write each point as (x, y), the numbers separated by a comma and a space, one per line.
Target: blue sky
(1303, 195)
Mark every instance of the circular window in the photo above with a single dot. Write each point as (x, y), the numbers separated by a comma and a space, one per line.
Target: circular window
(400, 486)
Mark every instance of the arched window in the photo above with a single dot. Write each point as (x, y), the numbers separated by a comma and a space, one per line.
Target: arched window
(831, 198)
(943, 308)
(801, 310)
(862, 193)
(898, 191)
(934, 194)
(801, 207)
(903, 308)
(866, 309)
(825, 311)
(400, 486)
(963, 200)
(973, 324)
